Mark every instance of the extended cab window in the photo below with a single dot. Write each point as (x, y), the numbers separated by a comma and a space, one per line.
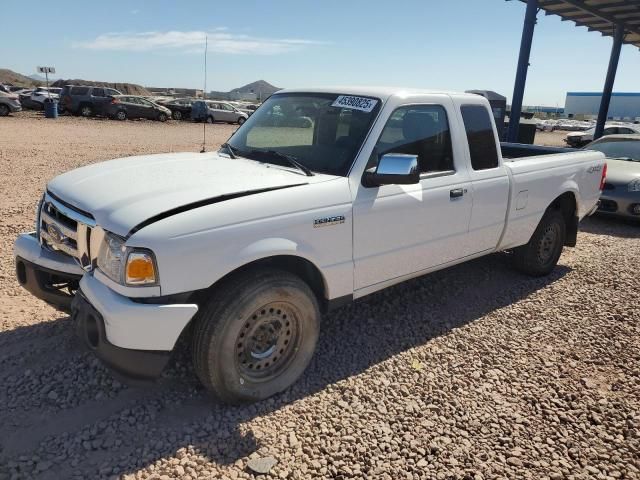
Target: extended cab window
(421, 130)
(482, 142)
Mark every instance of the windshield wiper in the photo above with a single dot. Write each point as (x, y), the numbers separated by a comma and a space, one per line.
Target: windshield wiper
(288, 158)
(233, 153)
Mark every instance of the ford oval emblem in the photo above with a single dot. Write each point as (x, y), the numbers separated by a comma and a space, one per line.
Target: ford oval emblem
(54, 232)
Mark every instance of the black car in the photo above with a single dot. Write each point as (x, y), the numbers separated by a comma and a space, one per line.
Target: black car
(122, 107)
(180, 108)
(86, 100)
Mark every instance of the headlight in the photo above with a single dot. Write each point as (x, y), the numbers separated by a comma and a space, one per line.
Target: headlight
(634, 185)
(126, 265)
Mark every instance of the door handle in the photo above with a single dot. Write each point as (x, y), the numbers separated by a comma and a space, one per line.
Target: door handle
(456, 192)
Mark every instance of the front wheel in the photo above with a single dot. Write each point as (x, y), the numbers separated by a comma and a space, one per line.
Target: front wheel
(177, 115)
(162, 117)
(210, 119)
(540, 256)
(255, 336)
(4, 110)
(121, 115)
(241, 120)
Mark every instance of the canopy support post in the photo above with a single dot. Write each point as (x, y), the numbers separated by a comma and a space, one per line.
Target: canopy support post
(521, 72)
(618, 37)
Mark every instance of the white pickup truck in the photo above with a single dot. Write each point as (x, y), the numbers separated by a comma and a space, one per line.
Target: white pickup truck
(320, 198)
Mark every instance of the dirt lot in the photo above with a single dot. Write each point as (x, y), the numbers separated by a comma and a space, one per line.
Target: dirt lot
(475, 372)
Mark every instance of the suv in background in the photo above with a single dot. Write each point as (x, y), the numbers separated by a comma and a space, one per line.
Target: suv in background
(86, 100)
(122, 107)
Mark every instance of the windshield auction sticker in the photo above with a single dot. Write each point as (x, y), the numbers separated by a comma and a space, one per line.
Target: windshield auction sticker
(355, 103)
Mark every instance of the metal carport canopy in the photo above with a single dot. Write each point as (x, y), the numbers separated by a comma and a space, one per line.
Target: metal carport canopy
(599, 15)
(617, 18)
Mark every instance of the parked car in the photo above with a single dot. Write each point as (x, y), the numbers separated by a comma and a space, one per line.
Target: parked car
(122, 107)
(248, 245)
(621, 193)
(180, 107)
(86, 100)
(9, 103)
(25, 100)
(580, 139)
(220, 112)
(40, 94)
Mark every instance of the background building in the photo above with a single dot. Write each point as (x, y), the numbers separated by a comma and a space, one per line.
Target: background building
(623, 105)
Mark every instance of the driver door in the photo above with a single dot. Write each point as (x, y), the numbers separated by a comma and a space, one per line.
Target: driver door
(401, 230)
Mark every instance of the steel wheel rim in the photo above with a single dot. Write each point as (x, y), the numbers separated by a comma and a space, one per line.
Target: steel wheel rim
(547, 245)
(268, 341)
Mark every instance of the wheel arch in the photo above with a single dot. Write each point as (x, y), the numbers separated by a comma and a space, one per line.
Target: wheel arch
(567, 203)
(295, 264)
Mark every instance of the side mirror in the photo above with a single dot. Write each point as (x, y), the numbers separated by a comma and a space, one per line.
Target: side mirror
(393, 169)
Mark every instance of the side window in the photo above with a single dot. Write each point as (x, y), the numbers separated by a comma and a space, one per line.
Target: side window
(421, 130)
(98, 92)
(610, 131)
(79, 90)
(111, 91)
(482, 142)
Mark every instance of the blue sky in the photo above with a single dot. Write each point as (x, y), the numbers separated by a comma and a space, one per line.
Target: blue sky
(452, 44)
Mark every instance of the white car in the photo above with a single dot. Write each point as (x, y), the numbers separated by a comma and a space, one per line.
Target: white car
(250, 244)
(40, 94)
(580, 139)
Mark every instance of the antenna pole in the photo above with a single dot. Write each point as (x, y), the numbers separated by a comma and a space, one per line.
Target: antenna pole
(204, 97)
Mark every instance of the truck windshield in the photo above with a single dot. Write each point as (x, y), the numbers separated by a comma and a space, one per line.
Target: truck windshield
(323, 132)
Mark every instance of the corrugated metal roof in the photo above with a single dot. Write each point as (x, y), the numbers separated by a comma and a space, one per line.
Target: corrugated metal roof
(599, 15)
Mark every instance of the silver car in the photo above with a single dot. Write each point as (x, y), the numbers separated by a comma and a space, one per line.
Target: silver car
(621, 193)
(223, 112)
(9, 103)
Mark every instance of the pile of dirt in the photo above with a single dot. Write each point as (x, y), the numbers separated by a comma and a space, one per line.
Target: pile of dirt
(126, 88)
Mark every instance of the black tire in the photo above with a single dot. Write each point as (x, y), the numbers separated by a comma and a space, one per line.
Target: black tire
(256, 336)
(540, 256)
(177, 115)
(210, 119)
(4, 110)
(86, 110)
(162, 117)
(241, 120)
(120, 115)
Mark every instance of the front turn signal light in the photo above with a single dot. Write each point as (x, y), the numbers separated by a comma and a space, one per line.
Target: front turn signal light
(140, 269)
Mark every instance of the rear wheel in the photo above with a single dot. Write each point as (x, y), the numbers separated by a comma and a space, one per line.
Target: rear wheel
(255, 336)
(210, 119)
(121, 115)
(540, 256)
(86, 110)
(4, 110)
(162, 117)
(177, 115)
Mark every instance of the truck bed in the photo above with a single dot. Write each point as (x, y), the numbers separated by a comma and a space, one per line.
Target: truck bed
(518, 150)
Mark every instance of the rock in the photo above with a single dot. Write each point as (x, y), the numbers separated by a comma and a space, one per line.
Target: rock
(262, 464)
(514, 461)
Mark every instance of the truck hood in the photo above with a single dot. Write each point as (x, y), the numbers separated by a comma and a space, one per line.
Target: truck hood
(122, 194)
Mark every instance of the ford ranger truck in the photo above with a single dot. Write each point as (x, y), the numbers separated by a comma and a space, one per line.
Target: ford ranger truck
(321, 197)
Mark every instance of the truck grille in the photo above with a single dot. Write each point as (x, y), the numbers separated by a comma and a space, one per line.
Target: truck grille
(64, 229)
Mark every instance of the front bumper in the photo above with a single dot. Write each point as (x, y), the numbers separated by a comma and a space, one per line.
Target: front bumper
(133, 337)
(45, 273)
(128, 364)
(623, 205)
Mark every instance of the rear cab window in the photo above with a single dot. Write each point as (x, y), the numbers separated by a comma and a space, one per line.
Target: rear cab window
(480, 136)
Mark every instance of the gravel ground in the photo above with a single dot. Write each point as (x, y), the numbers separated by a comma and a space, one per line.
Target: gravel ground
(475, 372)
